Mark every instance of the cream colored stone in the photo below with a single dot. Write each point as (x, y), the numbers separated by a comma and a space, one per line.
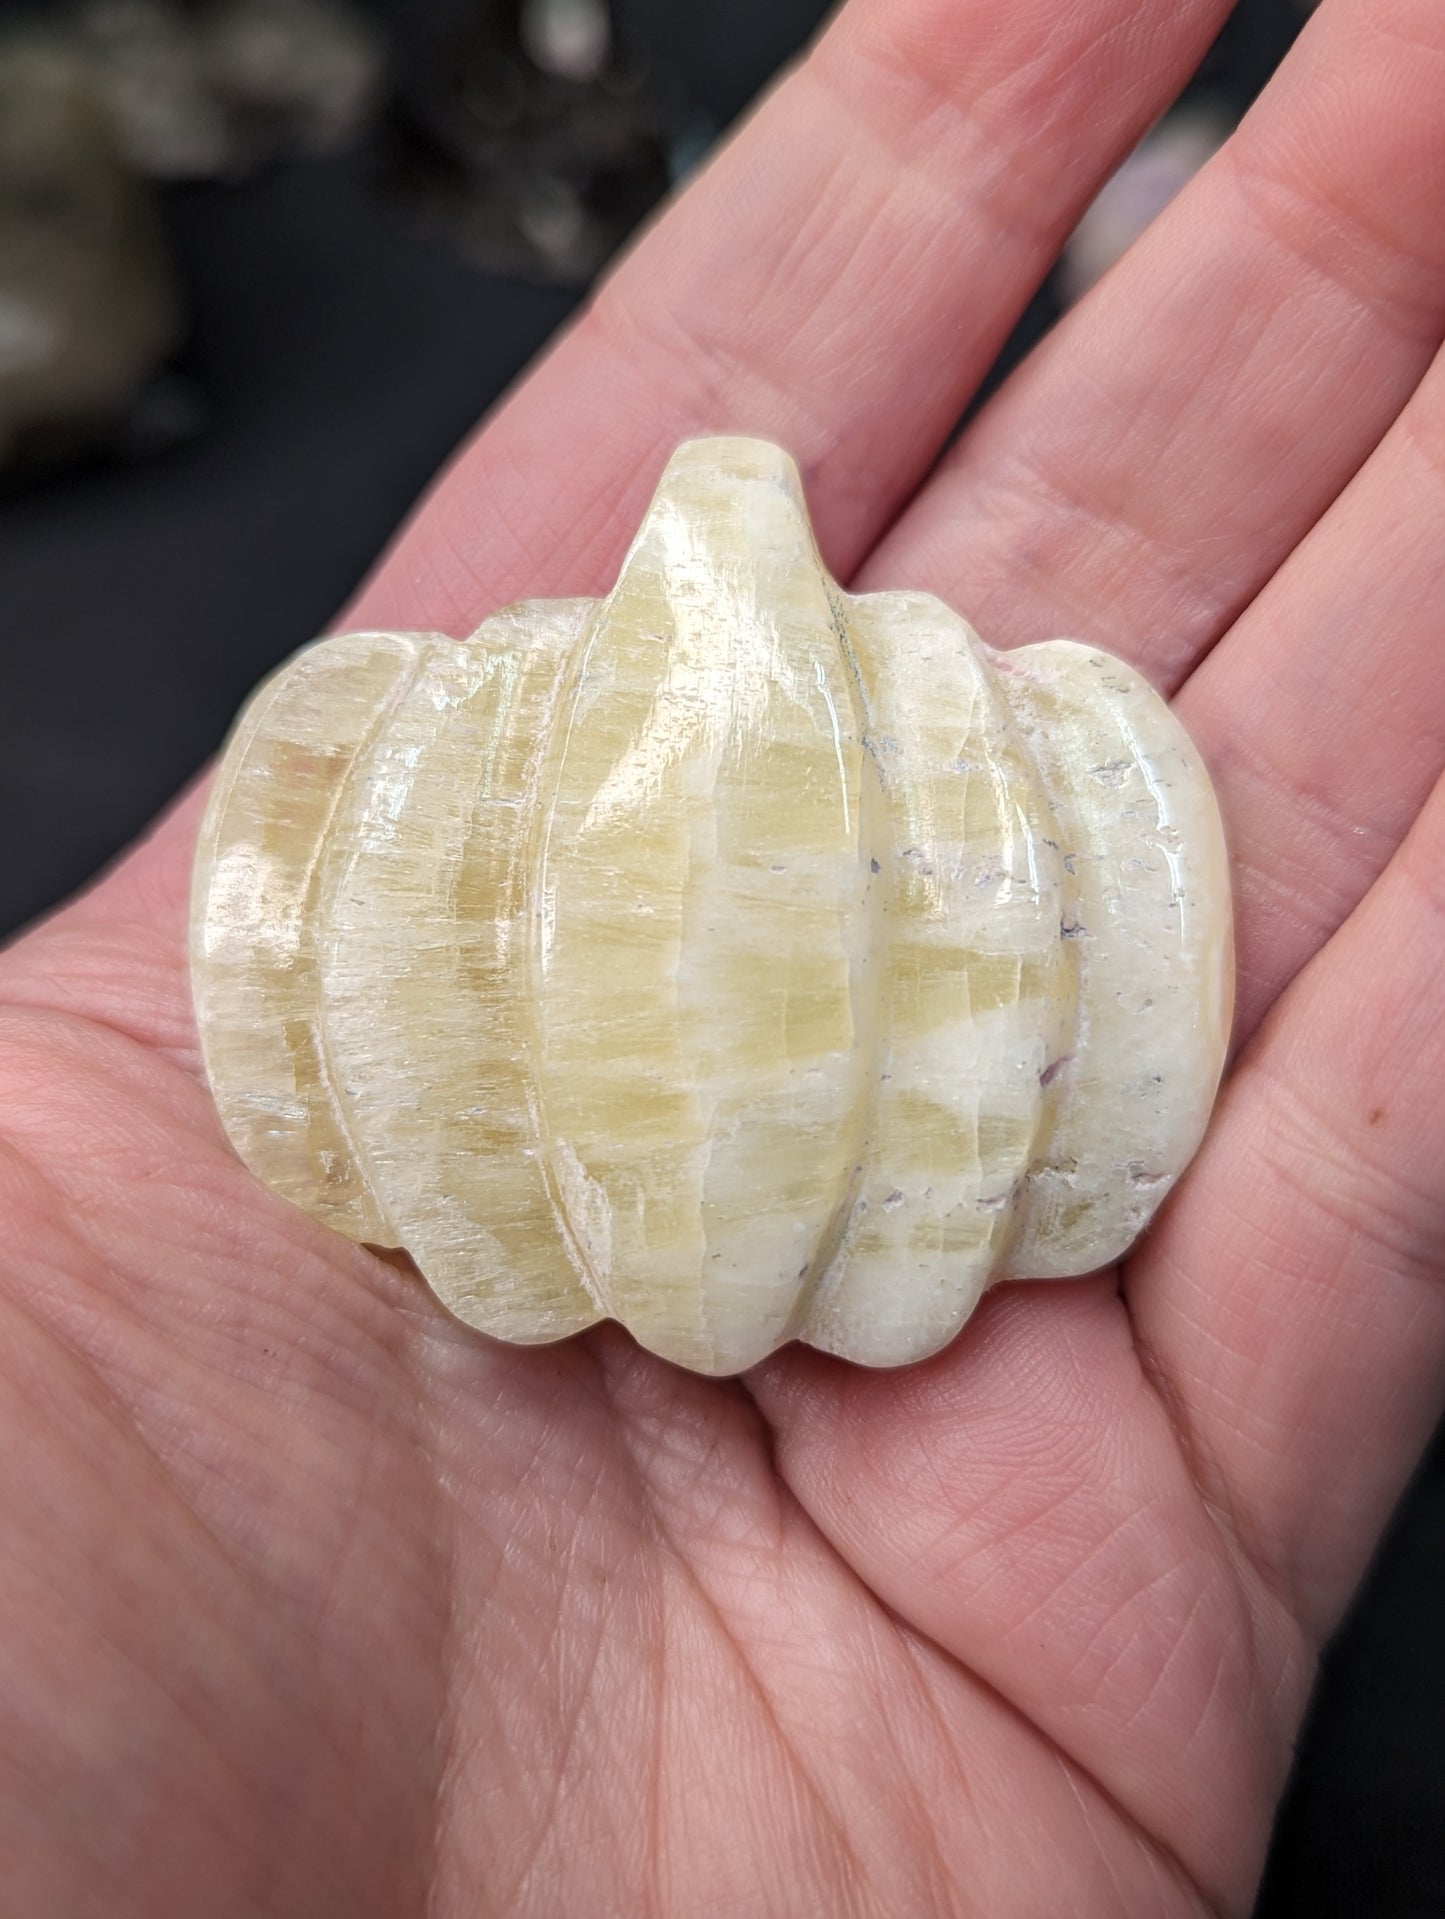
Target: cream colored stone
(734, 956)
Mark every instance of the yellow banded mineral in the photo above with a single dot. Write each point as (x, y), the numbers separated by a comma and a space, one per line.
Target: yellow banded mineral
(734, 956)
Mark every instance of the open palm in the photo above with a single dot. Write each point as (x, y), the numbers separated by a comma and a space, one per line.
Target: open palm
(314, 1602)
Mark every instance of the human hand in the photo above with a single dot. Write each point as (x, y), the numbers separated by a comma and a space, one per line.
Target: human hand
(313, 1601)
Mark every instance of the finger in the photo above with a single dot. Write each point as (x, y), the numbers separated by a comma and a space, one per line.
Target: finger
(1290, 1297)
(1322, 712)
(1144, 473)
(839, 280)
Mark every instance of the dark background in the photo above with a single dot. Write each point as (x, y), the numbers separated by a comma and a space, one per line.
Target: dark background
(336, 354)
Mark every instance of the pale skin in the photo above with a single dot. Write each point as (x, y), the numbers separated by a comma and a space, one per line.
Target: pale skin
(313, 1602)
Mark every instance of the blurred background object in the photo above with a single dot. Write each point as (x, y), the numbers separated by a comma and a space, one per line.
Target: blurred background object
(218, 87)
(89, 307)
(375, 215)
(529, 137)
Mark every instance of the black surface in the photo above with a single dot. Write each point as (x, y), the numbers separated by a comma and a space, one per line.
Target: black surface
(1362, 1830)
(341, 357)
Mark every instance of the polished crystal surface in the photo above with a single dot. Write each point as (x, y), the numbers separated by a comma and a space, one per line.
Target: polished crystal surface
(734, 956)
